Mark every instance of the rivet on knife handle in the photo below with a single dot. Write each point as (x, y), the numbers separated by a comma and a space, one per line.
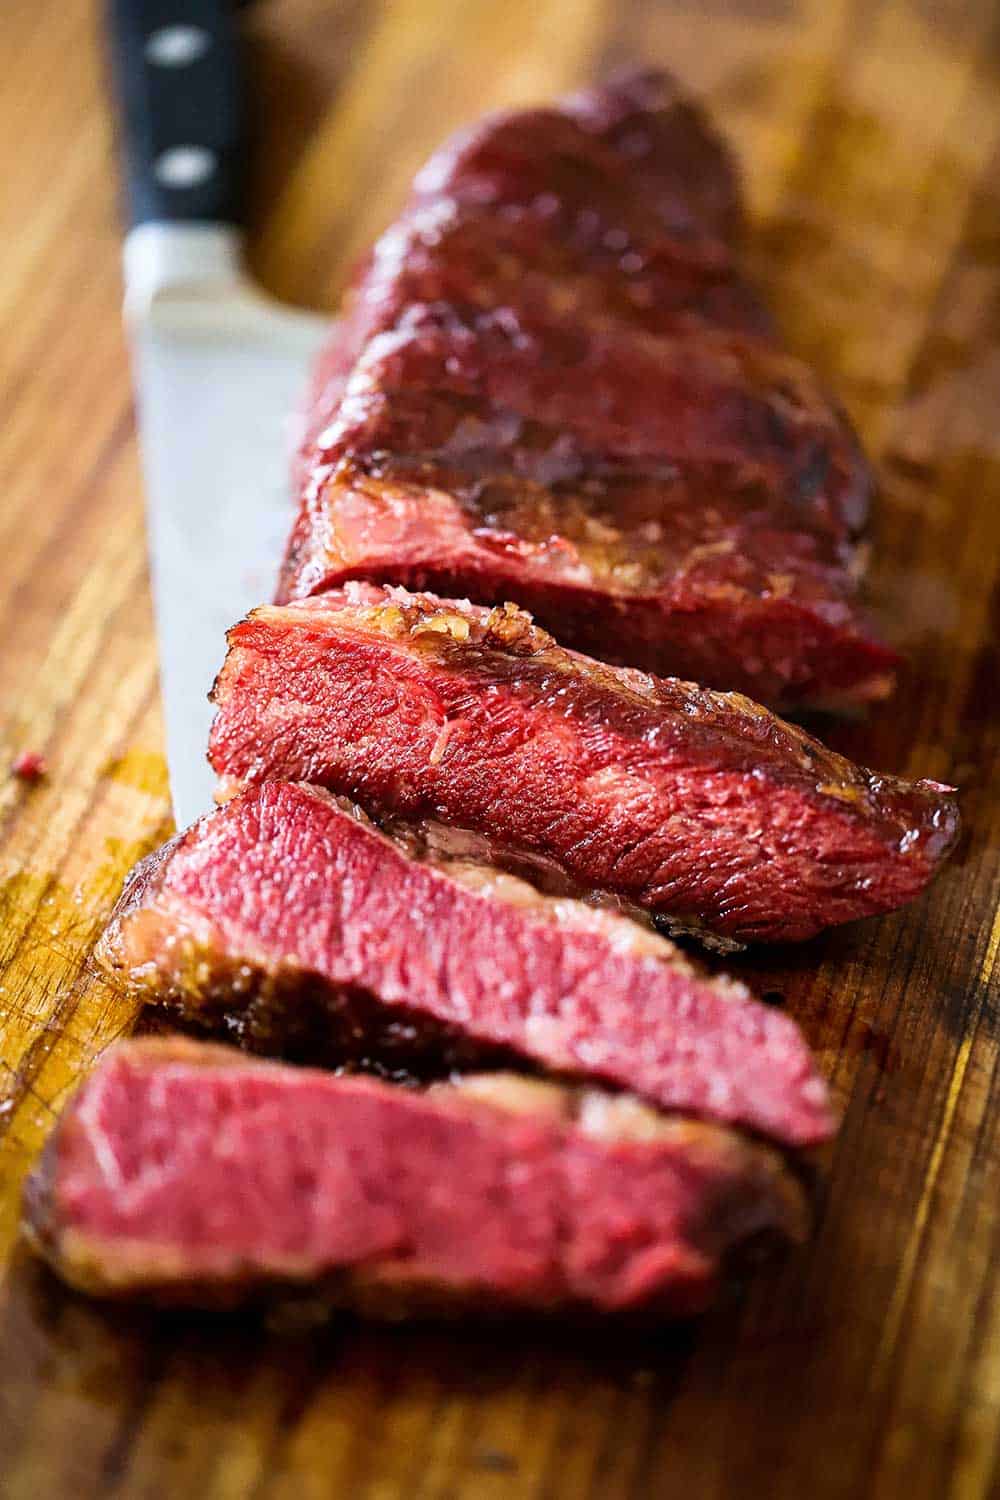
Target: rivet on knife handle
(177, 70)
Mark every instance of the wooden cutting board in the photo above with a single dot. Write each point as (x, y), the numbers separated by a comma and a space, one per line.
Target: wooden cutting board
(868, 1364)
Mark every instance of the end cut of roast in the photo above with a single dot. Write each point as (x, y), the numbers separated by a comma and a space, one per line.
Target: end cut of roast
(701, 807)
(552, 385)
(287, 916)
(190, 1173)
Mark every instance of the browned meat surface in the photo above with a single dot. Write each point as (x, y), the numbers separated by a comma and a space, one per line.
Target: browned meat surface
(552, 386)
(701, 807)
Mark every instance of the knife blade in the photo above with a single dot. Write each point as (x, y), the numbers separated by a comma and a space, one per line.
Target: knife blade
(218, 366)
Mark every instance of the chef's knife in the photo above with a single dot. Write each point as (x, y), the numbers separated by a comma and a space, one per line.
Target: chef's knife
(218, 366)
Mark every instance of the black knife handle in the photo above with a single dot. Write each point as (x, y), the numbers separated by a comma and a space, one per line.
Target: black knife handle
(176, 65)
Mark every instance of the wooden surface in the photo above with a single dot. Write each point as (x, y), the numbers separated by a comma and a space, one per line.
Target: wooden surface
(869, 1364)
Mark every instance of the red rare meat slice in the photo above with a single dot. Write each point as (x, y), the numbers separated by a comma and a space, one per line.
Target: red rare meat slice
(286, 913)
(701, 807)
(551, 385)
(190, 1173)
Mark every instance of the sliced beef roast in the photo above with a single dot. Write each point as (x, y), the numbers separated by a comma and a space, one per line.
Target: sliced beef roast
(551, 385)
(191, 1173)
(285, 911)
(699, 806)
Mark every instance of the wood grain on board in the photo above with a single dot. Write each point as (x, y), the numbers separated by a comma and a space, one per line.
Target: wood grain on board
(868, 1364)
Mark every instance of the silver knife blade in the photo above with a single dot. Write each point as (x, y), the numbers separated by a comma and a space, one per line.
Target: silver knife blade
(220, 370)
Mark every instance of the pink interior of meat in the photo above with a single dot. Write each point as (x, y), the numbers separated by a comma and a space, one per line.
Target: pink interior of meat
(286, 877)
(288, 1170)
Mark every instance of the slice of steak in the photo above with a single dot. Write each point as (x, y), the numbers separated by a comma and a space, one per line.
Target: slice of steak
(608, 484)
(284, 909)
(190, 1173)
(701, 807)
(551, 385)
(621, 199)
(634, 151)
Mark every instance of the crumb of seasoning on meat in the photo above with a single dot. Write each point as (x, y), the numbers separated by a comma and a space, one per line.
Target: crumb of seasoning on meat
(29, 766)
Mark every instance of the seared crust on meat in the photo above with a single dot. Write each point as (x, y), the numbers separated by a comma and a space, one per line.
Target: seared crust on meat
(551, 384)
(701, 807)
